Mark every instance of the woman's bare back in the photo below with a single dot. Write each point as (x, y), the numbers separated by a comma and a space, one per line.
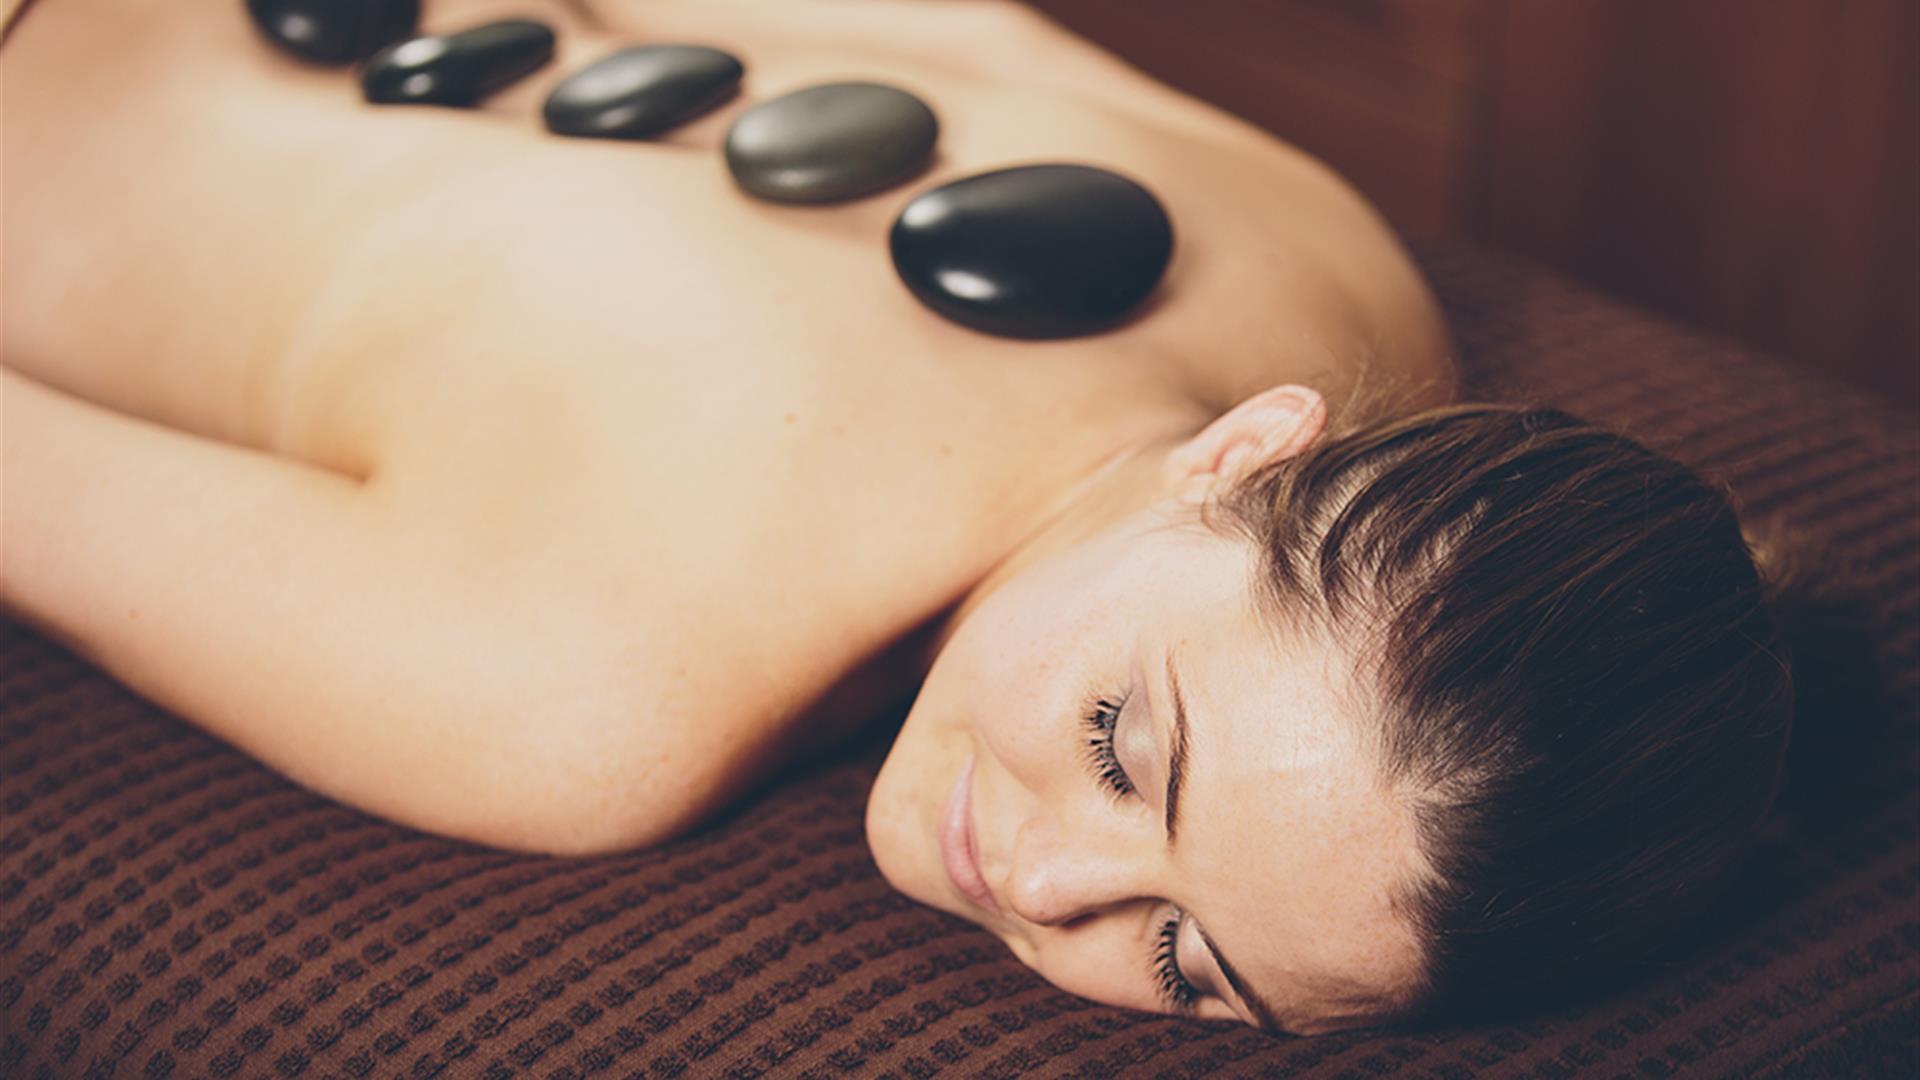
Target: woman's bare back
(578, 475)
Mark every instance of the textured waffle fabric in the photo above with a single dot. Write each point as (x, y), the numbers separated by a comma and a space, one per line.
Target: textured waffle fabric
(170, 908)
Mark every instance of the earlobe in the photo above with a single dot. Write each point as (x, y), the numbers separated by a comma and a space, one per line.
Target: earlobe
(1272, 425)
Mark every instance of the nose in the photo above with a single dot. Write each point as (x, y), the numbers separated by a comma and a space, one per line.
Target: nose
(1055, 877)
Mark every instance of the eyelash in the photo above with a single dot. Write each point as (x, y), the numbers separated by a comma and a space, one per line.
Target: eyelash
(1179, 994)
(1102, 715)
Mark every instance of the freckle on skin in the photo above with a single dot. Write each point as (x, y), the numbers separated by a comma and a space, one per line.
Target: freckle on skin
(789, 418)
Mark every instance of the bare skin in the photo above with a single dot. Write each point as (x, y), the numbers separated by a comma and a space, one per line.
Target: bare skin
(547, 492)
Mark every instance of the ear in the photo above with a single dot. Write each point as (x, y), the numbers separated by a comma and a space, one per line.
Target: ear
(1272, 425)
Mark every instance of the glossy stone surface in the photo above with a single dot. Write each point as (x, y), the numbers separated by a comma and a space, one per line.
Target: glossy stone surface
(334, 32)
(457, 69)
(642, 91)
(1036, 251)
(831, 142)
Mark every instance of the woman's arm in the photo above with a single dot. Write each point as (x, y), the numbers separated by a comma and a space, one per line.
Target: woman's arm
(293, 612)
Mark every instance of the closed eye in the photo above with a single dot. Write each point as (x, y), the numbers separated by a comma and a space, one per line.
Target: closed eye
(1102, 716)
(1171, 985)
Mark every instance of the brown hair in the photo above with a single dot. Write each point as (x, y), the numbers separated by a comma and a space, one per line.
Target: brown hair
(1579, 688)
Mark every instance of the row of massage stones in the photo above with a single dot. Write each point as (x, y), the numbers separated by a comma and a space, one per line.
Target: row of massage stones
(1035, 251)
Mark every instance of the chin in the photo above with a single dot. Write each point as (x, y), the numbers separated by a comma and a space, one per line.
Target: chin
(889, 827)
(903, 812)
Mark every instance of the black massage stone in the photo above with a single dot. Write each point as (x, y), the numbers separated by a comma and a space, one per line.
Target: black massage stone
(457, 69)
(1035, 251)
(334, 32)
(830, 143)
(642, 91)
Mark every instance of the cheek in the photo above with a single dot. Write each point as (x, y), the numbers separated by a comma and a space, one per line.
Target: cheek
(1101, 961)
(1022, 664)
(903, 808)
(1012, 674)
(969, 700)
(1044, 620)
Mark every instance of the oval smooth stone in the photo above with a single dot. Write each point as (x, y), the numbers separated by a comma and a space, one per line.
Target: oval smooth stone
(457, 69)
(1034, 251)
(832, 142)
(334, 32)
(642, 91)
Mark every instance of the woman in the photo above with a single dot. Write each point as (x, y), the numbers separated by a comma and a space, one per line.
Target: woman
(550, 493)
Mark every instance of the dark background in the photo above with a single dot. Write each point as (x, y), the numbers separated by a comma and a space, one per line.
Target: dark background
(1747, 166)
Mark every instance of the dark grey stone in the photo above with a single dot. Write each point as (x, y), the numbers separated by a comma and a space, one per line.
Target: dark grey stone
(832, 142)
(457, 69)
(642, 91)
(1035, 251)
(334, 32)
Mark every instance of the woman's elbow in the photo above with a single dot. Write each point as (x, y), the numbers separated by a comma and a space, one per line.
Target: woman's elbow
(604, 806)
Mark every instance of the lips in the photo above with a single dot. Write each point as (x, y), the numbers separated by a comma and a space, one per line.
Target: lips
(957, 846)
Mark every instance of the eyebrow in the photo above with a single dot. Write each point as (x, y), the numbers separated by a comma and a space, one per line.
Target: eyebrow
(1176, 776)
(1177, 756)
(1257, 1005)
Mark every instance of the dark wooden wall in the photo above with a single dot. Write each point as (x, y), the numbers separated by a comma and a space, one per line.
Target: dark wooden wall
(1750, 166)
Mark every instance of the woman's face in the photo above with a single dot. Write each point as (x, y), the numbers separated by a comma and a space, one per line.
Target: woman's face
(1283, 851)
